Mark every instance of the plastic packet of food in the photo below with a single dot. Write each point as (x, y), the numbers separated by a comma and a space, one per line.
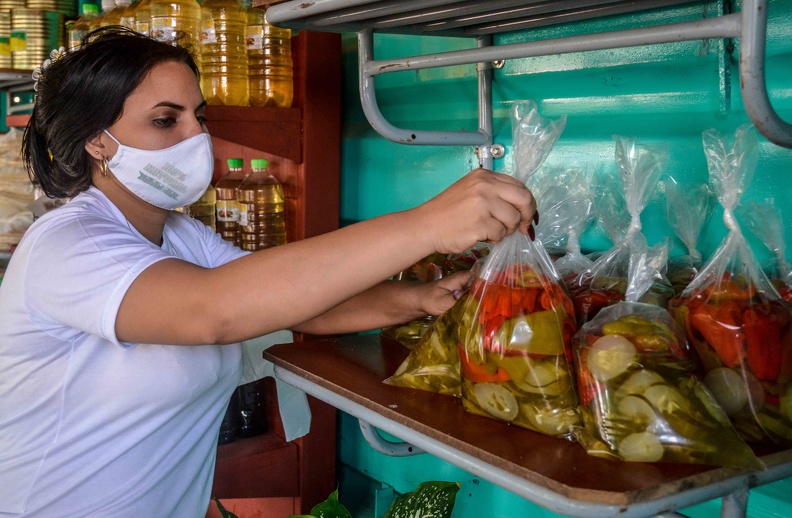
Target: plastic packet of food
(565, 202)
(620, 199)
(765, 222)
(639, 398)
(688, 209)
(514, 349)
(433, 364)
(733, 316)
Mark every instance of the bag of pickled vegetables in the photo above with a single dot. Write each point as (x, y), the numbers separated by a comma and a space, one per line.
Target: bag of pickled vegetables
(514, 350)
(764, 221)
(620, 200)
(433, 364)
(639, 398)
(733, 316)
(688, 209)
(565, 201)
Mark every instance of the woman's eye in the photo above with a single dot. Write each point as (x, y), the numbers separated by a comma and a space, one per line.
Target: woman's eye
(164, 122)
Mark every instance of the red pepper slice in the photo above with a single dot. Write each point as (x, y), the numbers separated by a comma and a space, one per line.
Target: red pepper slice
(763, 341)
(478, 373)
(720, 326)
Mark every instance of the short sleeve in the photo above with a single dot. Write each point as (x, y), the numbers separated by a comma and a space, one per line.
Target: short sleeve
(78, 271)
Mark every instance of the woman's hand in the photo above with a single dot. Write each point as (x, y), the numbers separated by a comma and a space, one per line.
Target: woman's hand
(439, 296)
(482, 206)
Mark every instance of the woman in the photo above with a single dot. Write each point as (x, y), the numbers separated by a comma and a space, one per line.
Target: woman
(120, 320)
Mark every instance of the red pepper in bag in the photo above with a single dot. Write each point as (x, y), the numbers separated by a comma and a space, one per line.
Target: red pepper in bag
(720, 326)
(763, 341)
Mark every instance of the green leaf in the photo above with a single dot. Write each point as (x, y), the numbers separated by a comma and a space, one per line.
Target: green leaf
(330, 508)
(429, 500)
(223, 511)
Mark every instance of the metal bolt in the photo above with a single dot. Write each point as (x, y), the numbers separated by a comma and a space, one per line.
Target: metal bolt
(498, 63)
(497, 151)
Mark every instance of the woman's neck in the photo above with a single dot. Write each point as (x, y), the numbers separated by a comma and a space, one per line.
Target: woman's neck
(146, 218)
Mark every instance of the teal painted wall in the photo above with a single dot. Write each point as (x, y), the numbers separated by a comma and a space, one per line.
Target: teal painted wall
(662, 95)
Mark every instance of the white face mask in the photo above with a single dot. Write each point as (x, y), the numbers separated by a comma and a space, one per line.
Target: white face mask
(166, 178)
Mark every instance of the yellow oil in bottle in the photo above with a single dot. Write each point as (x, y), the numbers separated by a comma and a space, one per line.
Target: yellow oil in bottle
(83, 25)
(262, 222)
(227, 213)
(224, 53)
(143, 17)
(177, 22)
(107, 8)
(113, 16)
(204, 209)
(270, 66)
(127, 18)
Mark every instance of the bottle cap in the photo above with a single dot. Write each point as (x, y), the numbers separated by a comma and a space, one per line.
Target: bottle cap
(90, 8)
(259, 163)
(235, 163)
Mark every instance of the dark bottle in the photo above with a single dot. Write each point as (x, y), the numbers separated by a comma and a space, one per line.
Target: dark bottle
(252, 409)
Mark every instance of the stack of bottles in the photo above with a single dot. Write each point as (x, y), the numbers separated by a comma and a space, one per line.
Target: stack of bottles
(244, 60)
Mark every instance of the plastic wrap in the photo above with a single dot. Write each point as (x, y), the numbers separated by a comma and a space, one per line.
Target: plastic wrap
(565, 202)
(514, 338)
(688, 209)
(620, 200)
(640, 400)
(765, 222)
(733, 316)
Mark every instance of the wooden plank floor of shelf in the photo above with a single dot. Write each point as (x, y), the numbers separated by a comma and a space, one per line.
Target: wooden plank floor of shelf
(354, 368)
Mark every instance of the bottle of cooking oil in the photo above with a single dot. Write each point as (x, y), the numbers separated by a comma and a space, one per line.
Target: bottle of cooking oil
(261, 209)
(143, 17)
(270, 67)
(224, 53)
(177, 22)
(113, 16)
(227, 205)
(107, 8)
(127, 18)
(204, 209)
(81, 27)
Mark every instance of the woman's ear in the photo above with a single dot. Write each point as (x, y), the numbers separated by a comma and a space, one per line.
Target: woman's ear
(96, 148)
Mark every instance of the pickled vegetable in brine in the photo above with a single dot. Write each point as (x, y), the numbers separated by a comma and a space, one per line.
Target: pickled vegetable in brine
(640, 400)
(515, 350)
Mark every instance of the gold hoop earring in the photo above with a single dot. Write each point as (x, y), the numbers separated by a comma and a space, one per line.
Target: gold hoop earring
(103, 168)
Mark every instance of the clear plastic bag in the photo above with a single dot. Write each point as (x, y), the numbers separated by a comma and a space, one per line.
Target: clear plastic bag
(765, 222)
(620, 200)
(640, 400)
(688, 209)
(733, 316)
(565, 202)
(518, 319)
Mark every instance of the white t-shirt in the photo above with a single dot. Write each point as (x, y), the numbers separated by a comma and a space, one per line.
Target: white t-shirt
(90, 426)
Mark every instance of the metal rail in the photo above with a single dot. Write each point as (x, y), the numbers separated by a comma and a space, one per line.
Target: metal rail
(749, 26)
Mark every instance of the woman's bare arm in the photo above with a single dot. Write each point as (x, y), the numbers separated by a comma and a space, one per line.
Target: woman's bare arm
(175, 302)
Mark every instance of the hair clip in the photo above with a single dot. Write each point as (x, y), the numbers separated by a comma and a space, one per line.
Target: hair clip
(38, 72)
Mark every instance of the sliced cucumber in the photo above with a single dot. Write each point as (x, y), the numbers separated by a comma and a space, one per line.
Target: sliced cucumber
(496, 400)
(728, 388)
(641, 447)
(666, 399)
(610, 356)
(638, 382)
(637, 409)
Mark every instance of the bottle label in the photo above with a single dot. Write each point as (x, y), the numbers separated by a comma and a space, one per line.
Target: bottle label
(208, 33)
(18, 40)
(243, 214)
(254, 37)
(5, 46)
(161, 30)
(228, 211)
(142, 27)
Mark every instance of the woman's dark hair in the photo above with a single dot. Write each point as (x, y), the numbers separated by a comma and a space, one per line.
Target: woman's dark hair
(80, 95)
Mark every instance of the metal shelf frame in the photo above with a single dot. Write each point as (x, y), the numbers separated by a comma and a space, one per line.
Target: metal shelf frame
(366, 17)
